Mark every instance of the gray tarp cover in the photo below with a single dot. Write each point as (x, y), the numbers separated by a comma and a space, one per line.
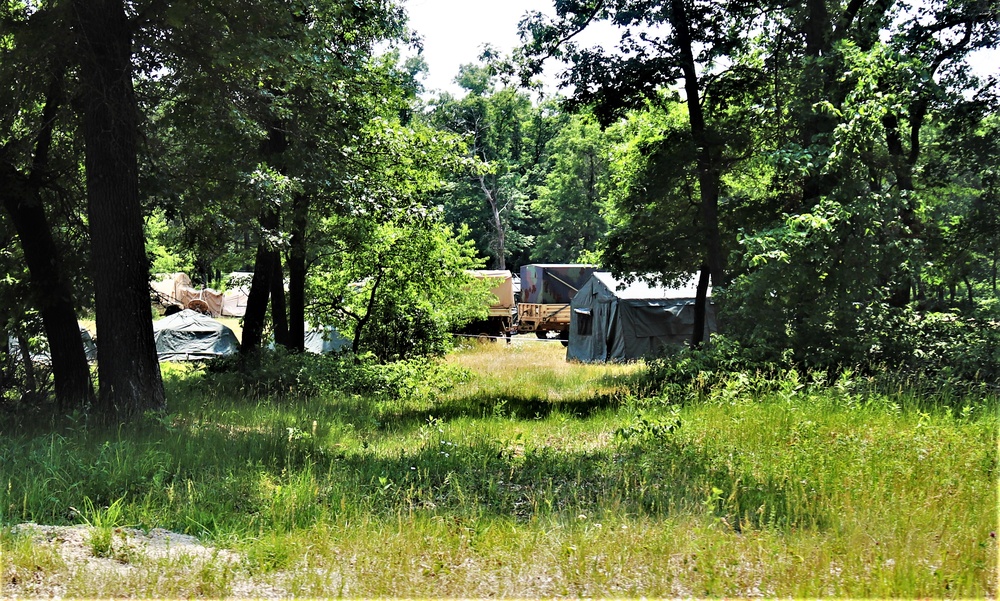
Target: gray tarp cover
(89, 348)
(612, 324)
(326, 340)
(191, 336)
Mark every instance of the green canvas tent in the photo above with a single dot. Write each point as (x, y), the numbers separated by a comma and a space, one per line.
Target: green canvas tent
(191, 336)
(614, 321)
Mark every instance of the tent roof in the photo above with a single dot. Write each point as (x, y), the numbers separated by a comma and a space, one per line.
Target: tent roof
(566, 265)
(642, 290)
(489, 273)
(189, 321)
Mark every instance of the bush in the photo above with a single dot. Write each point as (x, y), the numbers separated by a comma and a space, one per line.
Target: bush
(280, 374)
(936, 356)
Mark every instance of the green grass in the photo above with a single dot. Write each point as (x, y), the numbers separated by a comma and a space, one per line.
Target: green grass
(532, 477)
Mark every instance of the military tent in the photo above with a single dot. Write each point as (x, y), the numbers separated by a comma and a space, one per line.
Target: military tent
(325, 340)
(234, 300)
(191, 336)
(614, 321)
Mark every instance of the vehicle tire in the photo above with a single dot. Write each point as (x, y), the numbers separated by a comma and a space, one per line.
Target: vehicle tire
(564, 338)
(542, 334)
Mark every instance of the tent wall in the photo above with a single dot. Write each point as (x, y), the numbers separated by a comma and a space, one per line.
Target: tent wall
(592, 342)
(504, 290)
(176, 288)
(324, 341)
(623, 327)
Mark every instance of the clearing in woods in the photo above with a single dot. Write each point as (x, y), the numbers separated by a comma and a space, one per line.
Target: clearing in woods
(505, 471)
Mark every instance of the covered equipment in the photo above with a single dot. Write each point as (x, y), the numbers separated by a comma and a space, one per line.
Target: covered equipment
(546, 290)
(325, 340)
(500, 318)
(191, 336)
(614, 321)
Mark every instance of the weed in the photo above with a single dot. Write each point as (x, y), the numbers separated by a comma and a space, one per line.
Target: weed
(104, 523)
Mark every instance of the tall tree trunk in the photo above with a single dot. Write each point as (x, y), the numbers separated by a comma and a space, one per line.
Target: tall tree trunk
(53, 295)
(297, 275)
(128, 371)
(279, 313)
(499, 242)
(256, 313)
(260, 287)
(708, 154)
(263, 285)
(54, 298)
(700, 307)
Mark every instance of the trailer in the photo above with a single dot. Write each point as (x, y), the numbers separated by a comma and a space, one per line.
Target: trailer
(546, 292)
(500, 319)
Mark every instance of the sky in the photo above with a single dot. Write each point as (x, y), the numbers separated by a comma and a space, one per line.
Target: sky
(455, 31)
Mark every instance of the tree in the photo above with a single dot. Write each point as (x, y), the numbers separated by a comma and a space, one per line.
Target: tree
(676, 40)
(399, 287)
(829, 281)
(128, 370)
(28, 172)
(570, 204)
(506, 136)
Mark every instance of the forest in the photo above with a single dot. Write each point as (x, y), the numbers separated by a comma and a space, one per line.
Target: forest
(831, 167)
(828, 167)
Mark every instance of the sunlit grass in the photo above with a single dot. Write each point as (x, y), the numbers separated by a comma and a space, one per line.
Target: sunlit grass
(533, 477)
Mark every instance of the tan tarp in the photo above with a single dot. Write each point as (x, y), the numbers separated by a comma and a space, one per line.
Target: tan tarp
(176, 289)
(234, 301)
(504, 290)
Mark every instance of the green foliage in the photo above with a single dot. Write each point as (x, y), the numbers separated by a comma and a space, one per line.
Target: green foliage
(506, 136)
(294, 376)
(104, 522)
(399, 287)
(166, 252)
(653, 195)
(570, 206)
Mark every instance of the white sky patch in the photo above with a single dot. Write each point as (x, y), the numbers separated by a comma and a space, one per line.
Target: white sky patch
(455, 32)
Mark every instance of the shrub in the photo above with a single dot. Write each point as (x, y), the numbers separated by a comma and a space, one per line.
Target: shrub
(279, 373)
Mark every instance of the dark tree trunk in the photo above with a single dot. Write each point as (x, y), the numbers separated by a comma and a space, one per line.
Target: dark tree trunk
(708, 154)
(363, 321)
(128, 371)
(54, 299)
(700, 307)
(297, 275)
(53, 296)
(263, 285)
(279, 314)
(260, 289)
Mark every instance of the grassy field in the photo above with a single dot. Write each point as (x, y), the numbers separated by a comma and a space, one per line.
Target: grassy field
(530, 477)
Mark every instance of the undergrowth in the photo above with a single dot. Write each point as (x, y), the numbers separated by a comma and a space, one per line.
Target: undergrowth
(469, 477)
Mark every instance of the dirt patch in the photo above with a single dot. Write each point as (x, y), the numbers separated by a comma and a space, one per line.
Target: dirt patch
(132, 555)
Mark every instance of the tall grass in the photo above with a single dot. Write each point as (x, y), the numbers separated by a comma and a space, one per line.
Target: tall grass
(533, 477)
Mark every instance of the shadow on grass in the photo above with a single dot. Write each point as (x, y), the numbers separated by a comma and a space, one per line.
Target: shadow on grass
(484, 404)
(221, 480)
